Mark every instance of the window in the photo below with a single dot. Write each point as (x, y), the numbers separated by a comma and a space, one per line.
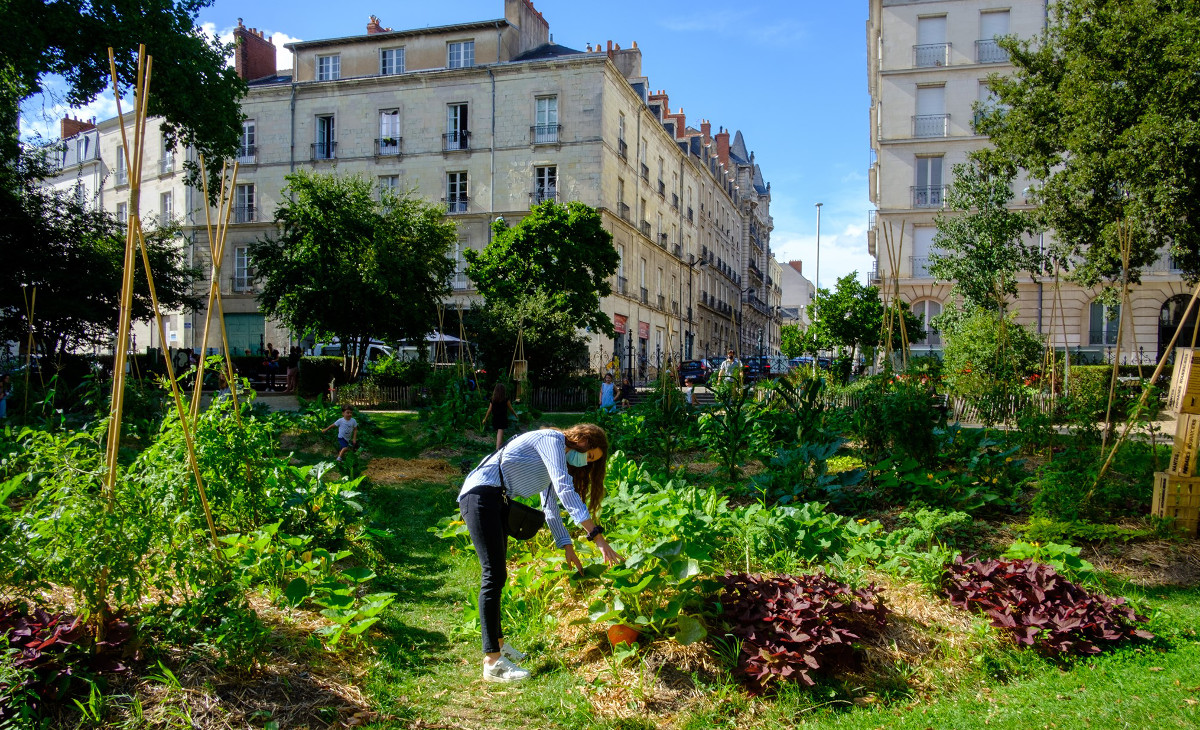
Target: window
(460, 55)
(80, 194)
(460, 263)
(243, 203)
(329, 68)
(123, 214)
(931, 119)
(122, 173)
(456, 192)
(545, 184)
(932, 48)
(1105, 323)
(545, 129)
(389, 132)
(246, 144)
(457, 135)
(622, 146)
(326, 142)
(922, 244)
(166, 207)
(167, 163)
(389, 184)
(928, 192)
(242, 274)
(925, 310)
(391, 61)
(992, 25)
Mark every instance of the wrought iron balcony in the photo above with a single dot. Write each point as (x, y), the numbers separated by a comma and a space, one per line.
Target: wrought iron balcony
(541, 195)
(623, 149)
(645, 296)
(244, 214)
(324, 150)
(247, 154)
(753, 267)
(691, 216)
(242, 281)
(662, 240)
(662, 189)
(623, 210)
(920, 267)
(645, 227)
(677, 249)
(622, 285)
(645, 172)
(166, 165)
(989, 51)
(456, 141)
(929, 196)
(388, 146)
(675, 201)
(456, 203)
(871, 218)
(931, 54)
(662, 302)
(931, 125)
(544, 133)
(675, 306)
(121, 178)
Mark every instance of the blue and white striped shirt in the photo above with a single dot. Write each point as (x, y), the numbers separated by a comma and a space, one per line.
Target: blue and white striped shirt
(535, 463)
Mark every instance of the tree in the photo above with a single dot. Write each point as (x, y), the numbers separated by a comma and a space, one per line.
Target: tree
(349, 266)
(1102, 110)
(190, 86)
(553, 345)
(851, 317)
(981, 248)
(561, 252)
(796, 341)
(74, 255)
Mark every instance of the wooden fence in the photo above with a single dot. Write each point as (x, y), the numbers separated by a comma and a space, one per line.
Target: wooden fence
(961, 410)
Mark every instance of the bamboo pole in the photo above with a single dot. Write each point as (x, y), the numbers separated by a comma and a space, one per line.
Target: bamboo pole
(216, 247)
(1123, 236)
(30, 308)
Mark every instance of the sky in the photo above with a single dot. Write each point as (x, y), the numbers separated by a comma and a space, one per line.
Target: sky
(790, 74)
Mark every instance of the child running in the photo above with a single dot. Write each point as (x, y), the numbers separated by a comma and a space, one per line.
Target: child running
(347, 427)
(499, 409)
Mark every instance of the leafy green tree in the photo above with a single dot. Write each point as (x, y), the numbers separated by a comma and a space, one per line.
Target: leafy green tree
(74, 254)
(191, 86)
(350, 266)
(560, 252)
(1102, 111)
(553, 345)
(981, 247)
(851, 316)
(986, 361)
(796, 341)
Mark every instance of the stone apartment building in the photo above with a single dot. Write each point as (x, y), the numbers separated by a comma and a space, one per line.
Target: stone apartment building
(489, 118)
(927, 65)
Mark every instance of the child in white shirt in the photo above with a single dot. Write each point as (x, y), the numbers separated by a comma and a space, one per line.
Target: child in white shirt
(347, 431)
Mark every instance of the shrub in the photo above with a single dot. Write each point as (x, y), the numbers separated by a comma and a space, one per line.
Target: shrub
(395, 371)
(316, 372)
(790, 626)
(898, 417)
(986, 363)
(1040, 608)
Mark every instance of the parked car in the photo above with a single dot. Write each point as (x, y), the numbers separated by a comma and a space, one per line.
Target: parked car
(698, 370)
(766, 366)
(375, 350)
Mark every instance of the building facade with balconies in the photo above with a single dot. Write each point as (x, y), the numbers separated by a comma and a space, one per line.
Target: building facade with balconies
(928, 63)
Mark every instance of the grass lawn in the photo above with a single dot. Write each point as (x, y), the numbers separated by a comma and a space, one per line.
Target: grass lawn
(426, 671)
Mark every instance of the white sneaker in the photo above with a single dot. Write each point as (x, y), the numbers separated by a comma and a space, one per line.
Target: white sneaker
(502, 670)
(512, 653)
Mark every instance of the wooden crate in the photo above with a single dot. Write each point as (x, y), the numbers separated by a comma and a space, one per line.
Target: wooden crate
(1179, 498)
(1183, 395)
(1185, 452)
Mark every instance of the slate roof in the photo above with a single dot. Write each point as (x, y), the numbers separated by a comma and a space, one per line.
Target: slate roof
(546, 50)
(738, 149)
(760, 185)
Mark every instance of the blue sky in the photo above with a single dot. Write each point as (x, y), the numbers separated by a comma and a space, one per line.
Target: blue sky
(790, 74)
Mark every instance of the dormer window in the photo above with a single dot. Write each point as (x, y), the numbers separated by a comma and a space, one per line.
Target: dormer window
(329, 68)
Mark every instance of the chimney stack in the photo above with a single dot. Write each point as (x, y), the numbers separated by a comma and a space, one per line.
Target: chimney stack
(723, 145)
(254, 55)
(69, 127)
(373, 26)
(705, 130)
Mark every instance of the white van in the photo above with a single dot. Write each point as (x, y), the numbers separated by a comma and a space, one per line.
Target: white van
(376, 350)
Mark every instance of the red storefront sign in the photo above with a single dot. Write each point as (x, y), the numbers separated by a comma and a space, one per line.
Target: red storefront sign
(620, 323)
(644, 330)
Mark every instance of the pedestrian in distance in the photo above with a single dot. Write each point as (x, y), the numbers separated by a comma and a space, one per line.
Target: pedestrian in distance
(293, 369)
(689, 392)
(271, 363)
(627, 392)
(566, 469)
(499, 409)
(6, 389)
(608, 393)
(347, 427)
(729, 368)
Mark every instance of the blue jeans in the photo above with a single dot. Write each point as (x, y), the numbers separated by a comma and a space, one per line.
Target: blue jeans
(483, 511)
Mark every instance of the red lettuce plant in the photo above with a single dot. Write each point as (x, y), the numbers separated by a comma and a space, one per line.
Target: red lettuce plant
(791, 626)
(1040, 608)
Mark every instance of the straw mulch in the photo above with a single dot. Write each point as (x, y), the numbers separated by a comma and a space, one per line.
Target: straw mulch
(398, 471)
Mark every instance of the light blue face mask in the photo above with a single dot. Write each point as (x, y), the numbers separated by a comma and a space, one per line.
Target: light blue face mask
(576, 458)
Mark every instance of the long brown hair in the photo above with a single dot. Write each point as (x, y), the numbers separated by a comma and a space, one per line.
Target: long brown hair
(499, 395)
(589, 480)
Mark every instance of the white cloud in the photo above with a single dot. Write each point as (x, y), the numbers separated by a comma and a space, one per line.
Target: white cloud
(843, 233)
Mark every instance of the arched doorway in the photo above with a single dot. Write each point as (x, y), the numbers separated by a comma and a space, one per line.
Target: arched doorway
(1170, 319)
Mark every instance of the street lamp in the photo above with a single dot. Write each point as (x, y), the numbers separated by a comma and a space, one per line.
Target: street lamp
(818, 287)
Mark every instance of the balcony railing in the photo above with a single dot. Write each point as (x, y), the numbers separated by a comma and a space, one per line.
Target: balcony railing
(675, 306)
(243, 214)
(622, 285)
(247, 154)
(931, 54)
(645, 172)
(920, 267)
(544, 133)
(623, 210)
(456, 203)
(662, 302)
(324, 150)
(675, 201)
(989, 51)
(122, 177)
(456, 141)
(662, 240)
(623, 149)
(662, 189)
(691, 216)
(931, 125)
(645, 227)
(242, 281)
(753, 267)
(677, 249)
(388, 146)
(871, 218)
(929, 196)
(166, 165)
(541, 195)
(1165, 263)
(645, 296)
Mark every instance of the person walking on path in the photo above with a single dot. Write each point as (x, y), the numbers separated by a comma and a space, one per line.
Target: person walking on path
(729, 368)
(689, 392)
(607, 393)
(627, 392)
(499, 409)
(347, 427)
(566, 469)
(293, 369)
(6, 389)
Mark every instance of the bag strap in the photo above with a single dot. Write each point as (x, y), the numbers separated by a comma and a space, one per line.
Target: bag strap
(503, 487)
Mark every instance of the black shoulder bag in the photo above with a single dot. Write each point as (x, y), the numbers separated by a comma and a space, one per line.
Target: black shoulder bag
(520, 521)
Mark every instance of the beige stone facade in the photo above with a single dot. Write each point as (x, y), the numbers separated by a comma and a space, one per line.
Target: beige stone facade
(928, 61)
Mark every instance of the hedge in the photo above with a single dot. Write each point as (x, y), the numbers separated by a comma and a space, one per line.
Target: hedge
(316, 372)
(1088, 387)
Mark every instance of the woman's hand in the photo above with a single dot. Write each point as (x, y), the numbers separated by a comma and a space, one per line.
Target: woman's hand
(610, 556)
(572, 558)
